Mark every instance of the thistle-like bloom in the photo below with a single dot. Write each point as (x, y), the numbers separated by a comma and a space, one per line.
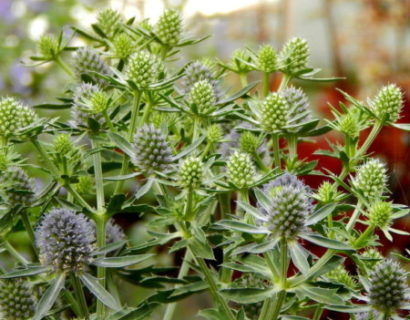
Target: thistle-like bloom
(294, 56)
(274, 113)
(87, 60)
(16, 300)
(14, 116)
(248, 142)
(65, 240)
(16, 187)
(202, 97)
(169, 27)
(99, 102)
(191, 173)
(289, 206)
(241, 170)
(143, 69)
(123, 46)
(388, 103)
(387, 286)
(380, 214)
(349, 125)
(109, 21)
(326, 192)
(298, 102)
(48, 47)
(114, 233)
(152, 151)
(198, 71)
(267, 59)
(341, 275)
(85, 185)
(371, 179)
(214, 133)
(239, 57)
(82, 108)
(371, 257)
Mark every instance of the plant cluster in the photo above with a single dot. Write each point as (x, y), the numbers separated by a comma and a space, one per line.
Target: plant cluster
(215, 175)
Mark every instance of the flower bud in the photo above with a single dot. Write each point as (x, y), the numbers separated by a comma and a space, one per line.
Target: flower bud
(289, 207)
(214, 133)
(65, 240)
(371, 258)
(237, 61)
(388, 103)
(99, 102)
(294, 56)
(82, 108)
(123, 46)
(267, 59)
(62, 144)
(48, 47)
(241, 171)
(16, 187)
(387, 286)
(326, 193)
(371, 179)
(274, 113)
(348, 125)
(380, 214)
(143, 69)
(190, 173)
(87, 60)
(298, 103)
(341, 275)
(109, 21)
(202, 97)
(14, 116)
(16, 300)
(152, 151)
(248, 142)
(85, 185)
(169, 27)
(198, 71)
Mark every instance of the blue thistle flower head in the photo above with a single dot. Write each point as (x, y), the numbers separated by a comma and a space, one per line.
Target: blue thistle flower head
(114, 232)
(65, 240)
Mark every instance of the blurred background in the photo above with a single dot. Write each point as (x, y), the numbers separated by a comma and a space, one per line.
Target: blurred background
(365, 41)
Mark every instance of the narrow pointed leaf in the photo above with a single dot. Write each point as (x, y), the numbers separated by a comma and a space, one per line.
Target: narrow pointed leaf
(99, 292)
(120, 262)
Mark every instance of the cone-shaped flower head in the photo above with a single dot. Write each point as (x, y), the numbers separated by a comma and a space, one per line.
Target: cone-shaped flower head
(326, 192)
(14, 116)
(143, 69)
(248, 142)
(341, 275)
(371, 179)
(48, 47)
(152, 151)
(294, 56)
(239, 57)
(274, 113)
(388, 103)
(349, 125)
(241, 170)
(87, 60)
(85, 185)
(214, 133)
(289, 206)
(16, 187)
(82, 109)
(65, 240)
(267, 59)
(191, 173)
(123, 46)
(114, 232)
(202, 97)
(198, 71)
(169, 27)
(371, 257)
(99, 102)
(16, 300)
(109, 21)
(298, 103)
(380, 214)
(387, 286)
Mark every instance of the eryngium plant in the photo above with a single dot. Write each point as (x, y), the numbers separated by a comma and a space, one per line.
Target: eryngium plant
(212, 176)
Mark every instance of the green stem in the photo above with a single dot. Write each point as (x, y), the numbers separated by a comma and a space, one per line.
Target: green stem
(99, 183)
(131, 131)
(265, 83)
(108, 120)
(13, 252)
(244, 79)
(284, 82)
(189, 214)
(213, 288)
(73, 304)
(318, 312)
(243, 196)
(101, 222)
(195, 130)
(64, 66)
(147, 111)
(358, 242)
(292, 146)
(276, 153)
(78, 197)
(354, 217)
(78, 289)
(29, 228)
(370, 138)
(183, 271)
(275, 306)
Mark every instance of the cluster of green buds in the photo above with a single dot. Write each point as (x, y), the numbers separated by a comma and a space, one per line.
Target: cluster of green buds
(380, 214)
(249, 142)
(16, 187)
(49, 47)
(267, 59)
(388, 103)
(214, 134)
(88, 61)
(143, 69)
(371, 179)
(293, 58)
(191, 173)
(241, 61)
(202, 98)
(169, 27)
(123, 46)
(274, 113)
(342, 276)
(241, 170)
(109, 22)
